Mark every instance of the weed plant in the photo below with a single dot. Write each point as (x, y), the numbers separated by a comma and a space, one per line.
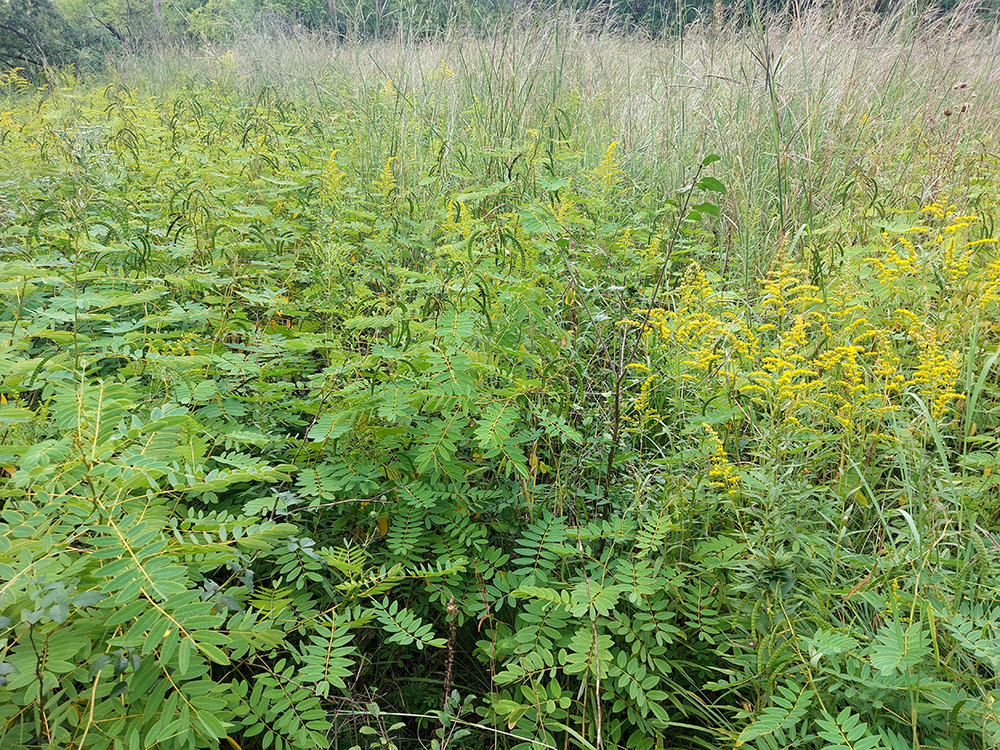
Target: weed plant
(545, 389)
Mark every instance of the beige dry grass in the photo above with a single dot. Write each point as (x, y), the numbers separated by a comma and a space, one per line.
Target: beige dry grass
(816, 118)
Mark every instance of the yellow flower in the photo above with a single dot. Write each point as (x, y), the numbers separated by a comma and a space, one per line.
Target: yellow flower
(608, 173)
(936, 372)
(331, 178)
(722, 474)
(386, 182)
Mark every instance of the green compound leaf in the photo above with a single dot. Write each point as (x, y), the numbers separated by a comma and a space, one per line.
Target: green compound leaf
(829, 643)
(785, 715)
(846, 732)
(896, 650)
(405, 628)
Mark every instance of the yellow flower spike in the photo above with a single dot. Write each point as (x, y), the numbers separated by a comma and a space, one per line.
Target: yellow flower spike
(722, 474)
(608, 173)
(386, 181)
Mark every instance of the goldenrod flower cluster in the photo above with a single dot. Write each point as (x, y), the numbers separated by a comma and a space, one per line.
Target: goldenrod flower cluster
(939, 248)
(651, 253)
(643, 410)
(12, 80)
(385, 184)
(897, 261)
(990, 292)
(937, 371)
(710, 338)
(788, 292)
(721, 474)
(785, 380)
(889, 325)
(892, 602)
(185, 344)
(608, 174)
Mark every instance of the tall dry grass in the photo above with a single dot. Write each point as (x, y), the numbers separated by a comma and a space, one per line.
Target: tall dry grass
(817, 116)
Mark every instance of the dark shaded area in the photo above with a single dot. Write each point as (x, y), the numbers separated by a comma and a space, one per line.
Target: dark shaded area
(34, 35)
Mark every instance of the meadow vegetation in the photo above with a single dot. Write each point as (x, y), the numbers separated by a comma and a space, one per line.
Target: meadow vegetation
(547, 388)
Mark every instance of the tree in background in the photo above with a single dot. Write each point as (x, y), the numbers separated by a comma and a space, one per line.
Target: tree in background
(132, 23)
(34, 35)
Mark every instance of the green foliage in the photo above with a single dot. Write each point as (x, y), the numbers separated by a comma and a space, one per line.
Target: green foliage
(34, 35)
(323, 410)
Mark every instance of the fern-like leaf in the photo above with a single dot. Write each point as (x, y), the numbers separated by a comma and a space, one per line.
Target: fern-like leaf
(325, 658)
(846, 732)
(896, 650)
(405, 628)
(785, 714)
